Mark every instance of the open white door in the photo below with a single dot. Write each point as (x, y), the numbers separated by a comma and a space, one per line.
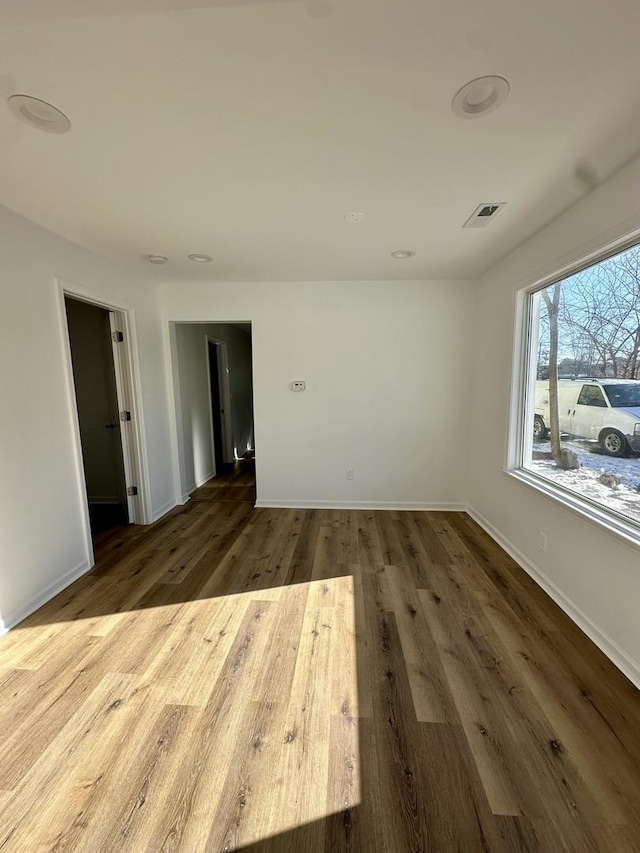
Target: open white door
(127, 414)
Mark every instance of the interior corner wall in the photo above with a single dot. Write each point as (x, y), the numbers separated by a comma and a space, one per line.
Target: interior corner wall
(387, 371)
(594, 573)
(43, 538)
(193, 407)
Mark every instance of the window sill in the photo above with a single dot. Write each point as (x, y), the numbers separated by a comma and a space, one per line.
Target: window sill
(607, 520)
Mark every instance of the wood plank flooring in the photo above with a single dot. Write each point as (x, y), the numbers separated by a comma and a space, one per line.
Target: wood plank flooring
(263, 680)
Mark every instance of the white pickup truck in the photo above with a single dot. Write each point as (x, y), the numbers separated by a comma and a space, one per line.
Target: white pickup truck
(603, 410)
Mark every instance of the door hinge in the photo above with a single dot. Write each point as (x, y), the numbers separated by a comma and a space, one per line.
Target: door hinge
(117, 337)
(125, 416)
(132, 491)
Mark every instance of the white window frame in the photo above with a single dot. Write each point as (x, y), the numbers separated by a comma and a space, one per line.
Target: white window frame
(520, 438)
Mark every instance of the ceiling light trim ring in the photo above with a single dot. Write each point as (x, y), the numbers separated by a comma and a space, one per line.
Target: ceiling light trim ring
(38, 113)
(480, 97)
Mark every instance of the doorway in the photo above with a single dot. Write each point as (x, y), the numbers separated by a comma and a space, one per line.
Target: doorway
(213, 395)
(103, 417)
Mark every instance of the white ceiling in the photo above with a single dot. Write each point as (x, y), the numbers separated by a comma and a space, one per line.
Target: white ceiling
(247, 130)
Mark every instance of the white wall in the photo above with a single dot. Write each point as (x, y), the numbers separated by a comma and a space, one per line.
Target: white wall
(42, 538)
(595, 572)
(387, 367)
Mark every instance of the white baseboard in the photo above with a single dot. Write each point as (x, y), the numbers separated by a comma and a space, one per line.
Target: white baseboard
(195, 485)
(179, 501)
(202, 480)
(616, 654)
(266, 503)
(16, 616)
(163, 510)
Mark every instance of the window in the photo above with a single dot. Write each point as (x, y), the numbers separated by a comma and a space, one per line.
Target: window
(581, 419)
(591, 395)
(621, 396)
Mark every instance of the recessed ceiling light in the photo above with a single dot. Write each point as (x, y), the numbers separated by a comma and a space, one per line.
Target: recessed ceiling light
(402, 254)
(200, 259)
(354, 216)
(39, 113)
(480, 97)
(157, 259)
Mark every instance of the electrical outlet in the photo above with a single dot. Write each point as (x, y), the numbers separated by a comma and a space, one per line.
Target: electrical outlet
(542, 541)
(349, 473)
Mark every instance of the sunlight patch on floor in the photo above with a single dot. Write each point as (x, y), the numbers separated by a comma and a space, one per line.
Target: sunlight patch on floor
(262, 688)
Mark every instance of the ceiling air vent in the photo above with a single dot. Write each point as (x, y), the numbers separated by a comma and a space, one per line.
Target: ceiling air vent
(483, 214)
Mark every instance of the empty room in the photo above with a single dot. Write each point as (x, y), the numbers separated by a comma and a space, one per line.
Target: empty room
(320, 433)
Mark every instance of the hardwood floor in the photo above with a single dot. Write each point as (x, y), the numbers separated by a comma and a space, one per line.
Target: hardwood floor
(303, 680)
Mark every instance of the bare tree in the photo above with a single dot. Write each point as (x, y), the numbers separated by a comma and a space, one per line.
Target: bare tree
(600, 317)
(563, 458)
(552, 301)
(543, 347)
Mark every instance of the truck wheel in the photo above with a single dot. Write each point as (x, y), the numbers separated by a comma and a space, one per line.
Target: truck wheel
(539, 429)
(613, 443)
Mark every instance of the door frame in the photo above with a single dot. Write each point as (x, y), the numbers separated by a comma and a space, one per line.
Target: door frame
(228, 451)
(121, 318)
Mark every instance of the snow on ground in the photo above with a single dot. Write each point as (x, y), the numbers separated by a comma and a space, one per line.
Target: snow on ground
(623, 496)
